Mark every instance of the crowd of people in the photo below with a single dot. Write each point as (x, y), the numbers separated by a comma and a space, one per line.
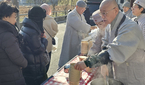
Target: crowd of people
(25, 55)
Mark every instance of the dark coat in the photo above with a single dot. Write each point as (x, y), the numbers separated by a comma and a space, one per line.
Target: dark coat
(11, 57)
(35, 46)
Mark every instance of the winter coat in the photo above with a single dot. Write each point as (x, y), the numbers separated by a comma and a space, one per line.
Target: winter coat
(34, 51)
(51, 27)
(11, 58)
(76, 30)
(127, 51)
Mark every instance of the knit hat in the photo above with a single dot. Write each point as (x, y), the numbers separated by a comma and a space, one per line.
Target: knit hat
(96, 17)
(126, 4)
(81, 3)
(140, 2)
(37, 14)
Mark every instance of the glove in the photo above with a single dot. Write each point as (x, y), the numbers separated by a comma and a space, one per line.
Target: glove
(101, 58)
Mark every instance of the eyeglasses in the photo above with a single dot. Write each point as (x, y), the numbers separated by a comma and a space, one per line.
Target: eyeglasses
(105, 13)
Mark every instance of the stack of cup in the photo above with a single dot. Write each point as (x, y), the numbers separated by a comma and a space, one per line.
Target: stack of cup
(84, 47)
(74, 75)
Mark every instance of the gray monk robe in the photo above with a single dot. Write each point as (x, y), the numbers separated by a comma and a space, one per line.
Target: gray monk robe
(76, 30)
(126, 50)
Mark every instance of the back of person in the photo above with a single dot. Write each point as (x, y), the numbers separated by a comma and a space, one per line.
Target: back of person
(11, 58)
(35, 47)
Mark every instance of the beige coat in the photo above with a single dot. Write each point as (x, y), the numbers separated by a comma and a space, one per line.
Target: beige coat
(76, 30)
(127, 50)
(51, 27)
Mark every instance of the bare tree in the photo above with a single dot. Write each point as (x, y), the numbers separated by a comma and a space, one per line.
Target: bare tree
(54, 3)
(65, 4)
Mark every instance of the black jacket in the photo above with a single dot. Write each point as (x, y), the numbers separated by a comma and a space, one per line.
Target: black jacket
(11, 57)
(34, 50)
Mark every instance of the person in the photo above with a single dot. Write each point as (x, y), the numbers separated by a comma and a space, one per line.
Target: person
(76, 30)
(11, 58)
(127, 9)
(124, 45)
(99, 34)
(138, 10)
(96, 48)
(50, 28)
(35, 46)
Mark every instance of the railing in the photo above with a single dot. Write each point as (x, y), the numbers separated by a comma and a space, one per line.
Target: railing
(54, 14)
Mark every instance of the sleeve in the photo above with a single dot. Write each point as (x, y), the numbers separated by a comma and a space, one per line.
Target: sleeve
(96, 48)
(54, 27)
(37, 44)
(124, 45)
(105, 39)
(144, 30)
(11, 47)
(77, 24)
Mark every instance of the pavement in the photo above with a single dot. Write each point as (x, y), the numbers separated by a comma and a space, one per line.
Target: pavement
(56, 54)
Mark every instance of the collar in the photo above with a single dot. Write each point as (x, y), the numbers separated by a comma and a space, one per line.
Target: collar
(117, 20)
(6, 26)
(75, 11)
(140, 17)
(48, 17)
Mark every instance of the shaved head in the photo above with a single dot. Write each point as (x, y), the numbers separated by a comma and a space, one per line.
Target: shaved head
(109, 10)
(108, 4)
(47, 8)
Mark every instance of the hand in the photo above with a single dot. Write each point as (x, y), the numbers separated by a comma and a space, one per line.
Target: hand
(93, 27)
(44, 36)
(80, 65)
(104, 71)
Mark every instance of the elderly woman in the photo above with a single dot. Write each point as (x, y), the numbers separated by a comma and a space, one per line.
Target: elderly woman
(138, 10)
(11, 58)
(96, 48)
(50, 28)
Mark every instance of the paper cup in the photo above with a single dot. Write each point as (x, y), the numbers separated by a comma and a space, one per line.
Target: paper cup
(74, 75)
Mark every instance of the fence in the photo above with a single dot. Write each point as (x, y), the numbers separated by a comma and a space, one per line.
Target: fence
(55, 14)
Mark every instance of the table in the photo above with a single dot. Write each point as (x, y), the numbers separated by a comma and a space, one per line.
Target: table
(61, 78)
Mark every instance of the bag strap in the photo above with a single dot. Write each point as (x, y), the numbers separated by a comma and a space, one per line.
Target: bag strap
(48, 33)
(122, 20)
